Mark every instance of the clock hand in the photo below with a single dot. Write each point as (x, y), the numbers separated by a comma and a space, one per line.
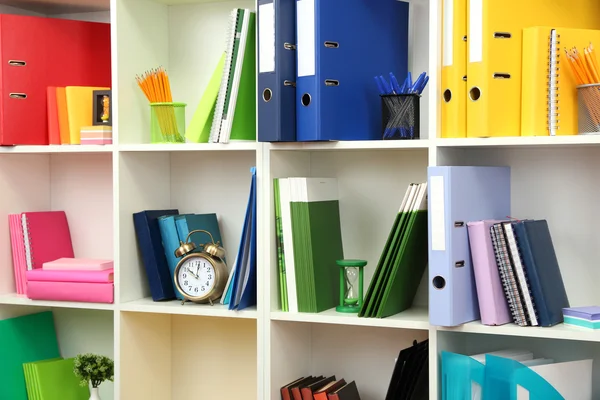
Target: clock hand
(192, 272)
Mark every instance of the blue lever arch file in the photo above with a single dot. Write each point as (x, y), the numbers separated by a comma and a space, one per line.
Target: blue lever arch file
(458, 195)
(342, 46)
(276, 70)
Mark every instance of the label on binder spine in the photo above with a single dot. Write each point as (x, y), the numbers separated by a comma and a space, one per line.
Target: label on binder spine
(305, 18)
(438, 231)
(266, 38)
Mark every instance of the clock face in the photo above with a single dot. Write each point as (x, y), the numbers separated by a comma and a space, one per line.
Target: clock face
(196, 277)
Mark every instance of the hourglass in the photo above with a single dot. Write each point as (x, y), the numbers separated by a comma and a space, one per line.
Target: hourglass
(351, 285)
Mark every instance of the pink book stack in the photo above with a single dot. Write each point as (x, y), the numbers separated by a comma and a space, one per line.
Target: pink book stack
(72, 279)
(44, 264)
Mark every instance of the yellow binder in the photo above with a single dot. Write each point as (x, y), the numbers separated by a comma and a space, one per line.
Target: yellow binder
(80, 103)
(454, 69)
(549, 101)
(494, 56)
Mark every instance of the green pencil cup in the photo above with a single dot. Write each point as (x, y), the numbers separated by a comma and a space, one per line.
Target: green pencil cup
(167, 122)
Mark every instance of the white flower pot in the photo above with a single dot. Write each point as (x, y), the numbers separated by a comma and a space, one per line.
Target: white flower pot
(94, 394)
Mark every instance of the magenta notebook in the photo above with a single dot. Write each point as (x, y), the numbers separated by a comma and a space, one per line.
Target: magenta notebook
(71, 291)
(78, 264)
(493, 306)
(18, 252)
(49, 275)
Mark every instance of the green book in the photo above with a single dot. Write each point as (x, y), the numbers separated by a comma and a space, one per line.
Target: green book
(24, 339)
(31, 378)
(317, 238)
(56, 381)
(199, 129)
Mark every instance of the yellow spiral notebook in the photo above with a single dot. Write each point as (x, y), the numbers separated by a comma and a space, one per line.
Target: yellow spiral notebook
(549, 89)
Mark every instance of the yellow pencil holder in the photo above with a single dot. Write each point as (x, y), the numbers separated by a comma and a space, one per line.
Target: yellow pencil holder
(167, 122)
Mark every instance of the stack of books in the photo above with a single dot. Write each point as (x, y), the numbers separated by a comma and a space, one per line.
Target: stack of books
(53, 379)
(320, 388)
(72, 279)
(583, 317)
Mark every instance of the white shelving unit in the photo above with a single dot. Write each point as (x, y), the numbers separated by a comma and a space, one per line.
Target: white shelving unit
(165, 351)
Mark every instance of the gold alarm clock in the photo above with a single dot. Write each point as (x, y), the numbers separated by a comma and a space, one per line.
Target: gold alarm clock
(200, 277)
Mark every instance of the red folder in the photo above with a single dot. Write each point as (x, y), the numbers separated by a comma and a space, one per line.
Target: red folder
(53, 125)
(37, 53)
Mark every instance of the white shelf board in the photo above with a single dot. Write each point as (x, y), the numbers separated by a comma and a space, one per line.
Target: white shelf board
(147, 305)
(353, 145)
(232, 146)
(59, 6)
(560, 331)
(519, 141)
(56, 149)
(414, 318)
(24, 301)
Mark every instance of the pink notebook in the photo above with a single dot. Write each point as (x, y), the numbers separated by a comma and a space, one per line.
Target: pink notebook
(492, 302)
(47, 237)
(18, 252)
(71, 291)
(80, 264)
(48, 275)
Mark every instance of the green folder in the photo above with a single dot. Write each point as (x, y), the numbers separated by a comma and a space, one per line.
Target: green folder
(199, 129)
(244, 121)
(24, 339)
(280, 250)
(56, 381)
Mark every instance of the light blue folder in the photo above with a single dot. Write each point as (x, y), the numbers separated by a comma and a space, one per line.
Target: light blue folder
(342, 46)
(457, 195)
(502, 375)
(170, 240)
(459, 372)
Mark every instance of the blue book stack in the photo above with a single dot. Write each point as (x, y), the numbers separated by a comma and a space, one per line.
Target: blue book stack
(582, 317)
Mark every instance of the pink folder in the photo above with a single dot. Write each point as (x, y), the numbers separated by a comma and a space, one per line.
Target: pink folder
(493, 306)
(80, 264)
(71, 291)
(18, 252)
(46, 275)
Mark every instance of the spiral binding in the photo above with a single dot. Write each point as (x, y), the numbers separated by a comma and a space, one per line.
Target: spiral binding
(521, 274)
(28, 252)
(504, 267)
(553, 110)
(215, 129)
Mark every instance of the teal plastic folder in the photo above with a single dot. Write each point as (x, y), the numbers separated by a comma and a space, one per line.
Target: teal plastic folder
(458, 374)
(502, 375)
(24, 339)
(170, 241)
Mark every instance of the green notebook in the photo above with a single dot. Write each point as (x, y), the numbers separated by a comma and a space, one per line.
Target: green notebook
(317, 239)
(24, 339)
(56, 381)
(280, 249)
(31, 378)
(199, 129)
(235, 110)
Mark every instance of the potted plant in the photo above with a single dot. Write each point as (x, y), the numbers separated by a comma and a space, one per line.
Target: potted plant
(93, 369)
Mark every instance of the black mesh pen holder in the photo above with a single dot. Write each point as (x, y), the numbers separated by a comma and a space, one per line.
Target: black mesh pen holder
(400, 116)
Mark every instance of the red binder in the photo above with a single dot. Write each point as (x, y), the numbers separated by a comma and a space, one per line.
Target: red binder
(36, 53)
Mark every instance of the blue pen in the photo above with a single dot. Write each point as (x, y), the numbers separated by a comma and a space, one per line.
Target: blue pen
(386, 85)
(417, 83)
(395, 84)
(379, 86)
(409, 79)
(423, 84)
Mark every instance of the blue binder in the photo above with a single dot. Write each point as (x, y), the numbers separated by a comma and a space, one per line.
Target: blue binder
(457, 195)
(276, 70)
(342, 46)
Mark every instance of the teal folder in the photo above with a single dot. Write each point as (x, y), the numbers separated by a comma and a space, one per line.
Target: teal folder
(22, 340)
(170, 240)
(190, 222)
